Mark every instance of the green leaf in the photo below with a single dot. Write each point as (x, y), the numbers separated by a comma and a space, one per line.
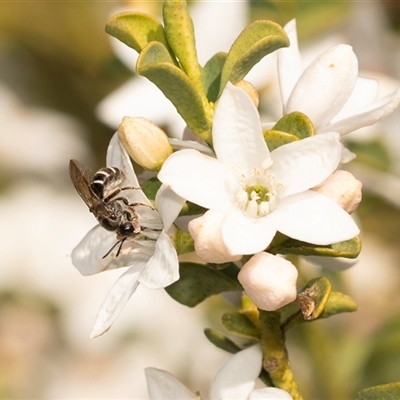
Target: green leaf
(349, 248)
(254, 42)
(155, 64)
(239, 324)
(150, 188)
(221, 341)
(212, 75)
(338, 303)
(297, 124)
(275, 139)
(389, 391)
(197, 282)
(180, 34)
(313, 297)
(183, 242)
(136, 30)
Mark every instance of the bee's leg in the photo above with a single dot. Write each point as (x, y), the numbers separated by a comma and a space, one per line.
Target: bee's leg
(117, 190)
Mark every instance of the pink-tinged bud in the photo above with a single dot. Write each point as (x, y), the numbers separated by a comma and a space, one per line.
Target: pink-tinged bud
(250, 90)
(269, 281)
(343, 188)
(145, 142)
(208, 243)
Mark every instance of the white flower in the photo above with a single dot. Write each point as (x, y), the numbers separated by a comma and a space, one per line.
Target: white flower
(259, 192)
(329, 91)
(152, 261)
(235, 380)
(269, 281)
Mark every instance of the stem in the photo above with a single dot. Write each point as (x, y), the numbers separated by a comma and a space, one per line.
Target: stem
(276, 361)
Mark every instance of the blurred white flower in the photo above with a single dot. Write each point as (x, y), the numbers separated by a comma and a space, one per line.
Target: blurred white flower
(329, 91)
(269, 281)
(256, 191)
(235, 380)
(27, 134)
(152, 259)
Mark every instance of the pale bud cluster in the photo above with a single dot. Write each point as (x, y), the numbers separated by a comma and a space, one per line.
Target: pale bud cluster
(145, 142)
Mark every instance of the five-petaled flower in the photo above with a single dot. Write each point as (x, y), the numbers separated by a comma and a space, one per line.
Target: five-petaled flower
(151, 260)
(235, 380)
(256, 192)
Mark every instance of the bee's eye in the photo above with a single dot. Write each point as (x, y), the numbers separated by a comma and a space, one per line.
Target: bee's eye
(126, 228)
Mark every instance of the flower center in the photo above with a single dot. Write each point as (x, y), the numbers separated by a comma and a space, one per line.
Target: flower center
(259, 192)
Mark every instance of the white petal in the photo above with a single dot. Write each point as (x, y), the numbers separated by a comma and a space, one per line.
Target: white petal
(163, 267)
(237, 134)
(367, 116)
(269, 394)
(333, 263)
(118, 157)
(325, 85)
(139, 97)
(200, 179)
(289, 63)
(162, 385)
(87, 256)
(304, 164)
(236, 378)
(169, 205)
(116, 300)
(243, 235)
(313, 218)
(364, 93)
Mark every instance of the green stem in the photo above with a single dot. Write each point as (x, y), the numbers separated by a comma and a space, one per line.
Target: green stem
(276, 361)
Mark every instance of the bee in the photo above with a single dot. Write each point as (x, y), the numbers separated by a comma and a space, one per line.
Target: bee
(99, 192)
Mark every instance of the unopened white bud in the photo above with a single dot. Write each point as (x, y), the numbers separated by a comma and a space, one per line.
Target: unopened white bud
(269, 281)
(250, 90)
(145, 142)
(343, 188)
(208, 243)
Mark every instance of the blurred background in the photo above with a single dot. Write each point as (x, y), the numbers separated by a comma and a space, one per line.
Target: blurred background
(63, 87)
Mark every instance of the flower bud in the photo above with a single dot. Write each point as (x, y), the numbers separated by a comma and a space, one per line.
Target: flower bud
(343, 188)
(145, 142)
(269, 281)
(208, 243)
(250, 90)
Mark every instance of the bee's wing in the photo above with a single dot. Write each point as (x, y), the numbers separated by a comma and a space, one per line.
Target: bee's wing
(80, 176)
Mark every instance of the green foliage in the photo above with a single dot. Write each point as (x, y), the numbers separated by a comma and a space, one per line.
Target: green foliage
(348, 248)
(297, 124)
(390, 391)
(255, 41)
(198, 281)
(221, 341)
(338, 303)
(238, 324)
(168, 58)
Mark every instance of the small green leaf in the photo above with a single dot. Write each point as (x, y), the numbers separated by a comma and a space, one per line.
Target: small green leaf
(349, 248)
(212, 75)
(275, 139)
(297, 124)
(389, 391)
(182, 241)
(150, 188)
(313, 297)
(338, 303)
(155, 64)
(239, 324)
(136, 30)
(180, 34)
(221, 341)
(254, 42)
(197, 282)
